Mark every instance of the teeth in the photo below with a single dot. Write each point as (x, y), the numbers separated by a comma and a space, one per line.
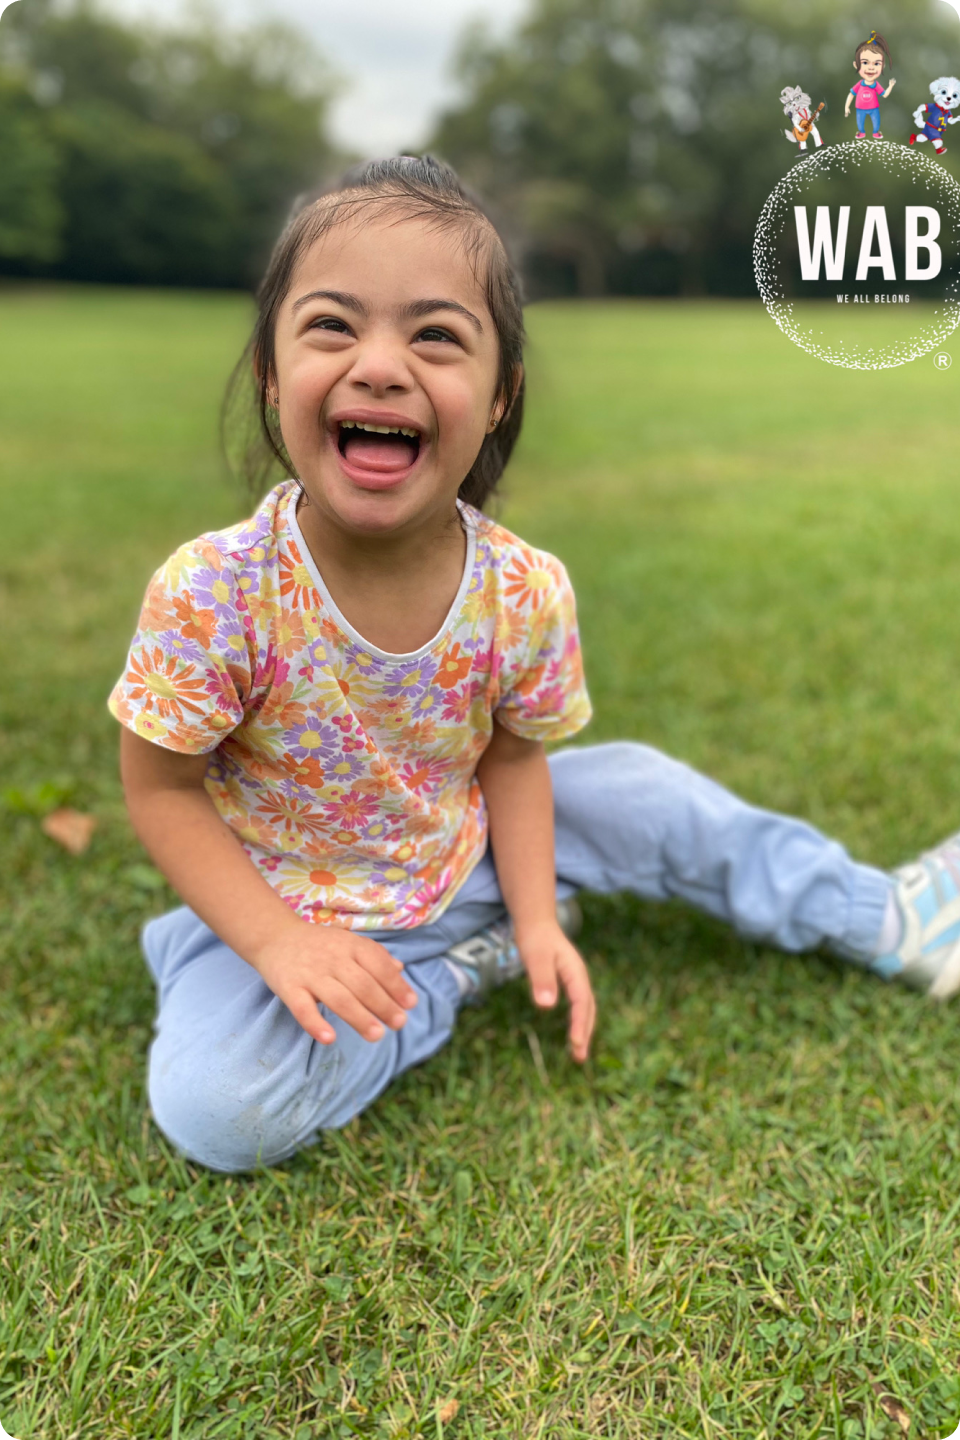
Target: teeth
(379, 429)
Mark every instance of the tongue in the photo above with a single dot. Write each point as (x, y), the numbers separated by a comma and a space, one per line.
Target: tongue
(380, 452)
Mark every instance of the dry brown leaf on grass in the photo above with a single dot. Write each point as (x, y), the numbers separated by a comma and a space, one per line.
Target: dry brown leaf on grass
(70, 829)
(448, 1411)
(891, 1407)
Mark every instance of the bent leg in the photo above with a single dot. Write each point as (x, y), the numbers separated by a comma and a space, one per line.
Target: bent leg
(631, 818)
(234, 1080)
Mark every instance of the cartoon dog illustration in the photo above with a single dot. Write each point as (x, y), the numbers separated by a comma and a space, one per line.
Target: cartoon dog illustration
(797, 105)
(933, 118)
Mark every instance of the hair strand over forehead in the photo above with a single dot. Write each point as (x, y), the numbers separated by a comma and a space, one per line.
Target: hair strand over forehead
(411, 188)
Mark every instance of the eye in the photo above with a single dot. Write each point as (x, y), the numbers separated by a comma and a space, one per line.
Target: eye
(331, 323)
(434, 332)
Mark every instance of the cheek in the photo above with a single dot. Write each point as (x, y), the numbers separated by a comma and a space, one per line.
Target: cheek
(463, 409)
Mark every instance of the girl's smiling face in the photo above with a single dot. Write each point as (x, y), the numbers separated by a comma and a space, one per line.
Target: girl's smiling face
(870, 66)
(385, 325)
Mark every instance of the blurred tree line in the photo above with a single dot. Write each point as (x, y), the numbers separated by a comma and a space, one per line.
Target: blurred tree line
(629, 145)
(633, 143)
(151, 157)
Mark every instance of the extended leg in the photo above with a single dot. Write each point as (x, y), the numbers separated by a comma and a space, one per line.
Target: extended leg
(630, 818)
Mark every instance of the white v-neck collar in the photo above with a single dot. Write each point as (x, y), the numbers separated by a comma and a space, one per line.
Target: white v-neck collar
(344, 624)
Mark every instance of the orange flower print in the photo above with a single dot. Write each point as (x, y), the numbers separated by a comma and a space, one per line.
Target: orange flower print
(195, 624)
(306, 770)
(296, 585)
(513, 627)
(159, 611)
(165, 685)
(290, 636)
(453, 668)
(528, 582)
(294, 817)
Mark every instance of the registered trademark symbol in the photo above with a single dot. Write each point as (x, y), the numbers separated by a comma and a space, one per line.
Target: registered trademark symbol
(943, 361)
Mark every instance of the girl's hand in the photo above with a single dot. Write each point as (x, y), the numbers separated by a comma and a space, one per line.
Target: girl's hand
(354, 976)
(889, 88)
(548, 956)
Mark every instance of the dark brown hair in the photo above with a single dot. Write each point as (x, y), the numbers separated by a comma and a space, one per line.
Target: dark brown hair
(876, 42)
(414, 188)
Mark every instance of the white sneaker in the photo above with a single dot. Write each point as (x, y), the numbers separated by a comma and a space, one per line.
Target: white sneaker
(927, 893)
(489, 959)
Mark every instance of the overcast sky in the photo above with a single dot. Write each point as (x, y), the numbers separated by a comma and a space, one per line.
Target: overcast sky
(393, 54)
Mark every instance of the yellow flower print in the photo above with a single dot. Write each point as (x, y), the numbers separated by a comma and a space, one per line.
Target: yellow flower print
(149, 726)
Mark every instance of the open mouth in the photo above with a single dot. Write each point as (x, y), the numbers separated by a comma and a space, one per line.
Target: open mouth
(382, 448)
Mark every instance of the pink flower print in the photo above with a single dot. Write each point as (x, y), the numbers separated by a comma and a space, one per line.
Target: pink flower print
(223, 688)
(547, 702)
(271, 671)
(427, 776)
(351, 810)
(457, 706)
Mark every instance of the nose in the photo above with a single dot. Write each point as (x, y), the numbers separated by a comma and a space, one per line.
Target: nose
(380, 366)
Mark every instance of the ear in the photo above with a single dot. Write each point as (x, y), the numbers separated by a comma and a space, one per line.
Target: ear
(268, 383)
(504, 403)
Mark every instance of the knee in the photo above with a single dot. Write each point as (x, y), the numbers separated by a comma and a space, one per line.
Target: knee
(229, 1119)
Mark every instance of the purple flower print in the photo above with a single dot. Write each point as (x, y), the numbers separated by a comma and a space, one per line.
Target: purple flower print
(314, 737)
(214, 592)
(176, 644)
(410, 680)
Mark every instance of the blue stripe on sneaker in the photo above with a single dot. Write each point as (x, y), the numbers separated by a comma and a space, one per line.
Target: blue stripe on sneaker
(951, 934)
(926, 905)
(887, 966)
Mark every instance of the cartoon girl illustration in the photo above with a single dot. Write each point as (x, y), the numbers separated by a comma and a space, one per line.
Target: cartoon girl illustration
(869, 60)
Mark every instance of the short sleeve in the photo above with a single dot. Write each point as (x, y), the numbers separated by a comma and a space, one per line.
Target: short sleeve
(543, 691)
(188, 670)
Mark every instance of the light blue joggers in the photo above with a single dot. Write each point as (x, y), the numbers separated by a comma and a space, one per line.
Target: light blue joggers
(234, 1080)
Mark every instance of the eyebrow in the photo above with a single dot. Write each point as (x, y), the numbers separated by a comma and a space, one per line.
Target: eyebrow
(416, 309)
(339, 297)
(419, 308)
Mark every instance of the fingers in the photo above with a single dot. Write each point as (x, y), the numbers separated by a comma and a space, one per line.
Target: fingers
(583, 1007)
(303, 1008)
(368, 991)
(541, 967)
(377, 961)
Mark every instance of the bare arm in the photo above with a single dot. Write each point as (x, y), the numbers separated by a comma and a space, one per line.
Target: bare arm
(302, 963)
(515, 780)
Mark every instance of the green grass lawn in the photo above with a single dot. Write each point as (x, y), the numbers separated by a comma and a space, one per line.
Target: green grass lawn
(739, 1219)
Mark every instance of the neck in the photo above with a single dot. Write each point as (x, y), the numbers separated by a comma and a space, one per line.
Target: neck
(387, 555)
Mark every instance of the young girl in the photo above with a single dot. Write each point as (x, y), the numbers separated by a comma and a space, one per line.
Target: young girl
(335, 716)
(868, 61)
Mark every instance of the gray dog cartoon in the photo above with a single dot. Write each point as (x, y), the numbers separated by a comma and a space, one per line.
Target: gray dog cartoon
(796, 104)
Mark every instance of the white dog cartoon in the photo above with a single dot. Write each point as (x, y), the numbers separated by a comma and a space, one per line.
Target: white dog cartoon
(933, 118)
(797, 105)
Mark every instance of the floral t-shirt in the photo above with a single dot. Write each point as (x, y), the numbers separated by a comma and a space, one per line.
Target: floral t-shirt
(349, 774)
